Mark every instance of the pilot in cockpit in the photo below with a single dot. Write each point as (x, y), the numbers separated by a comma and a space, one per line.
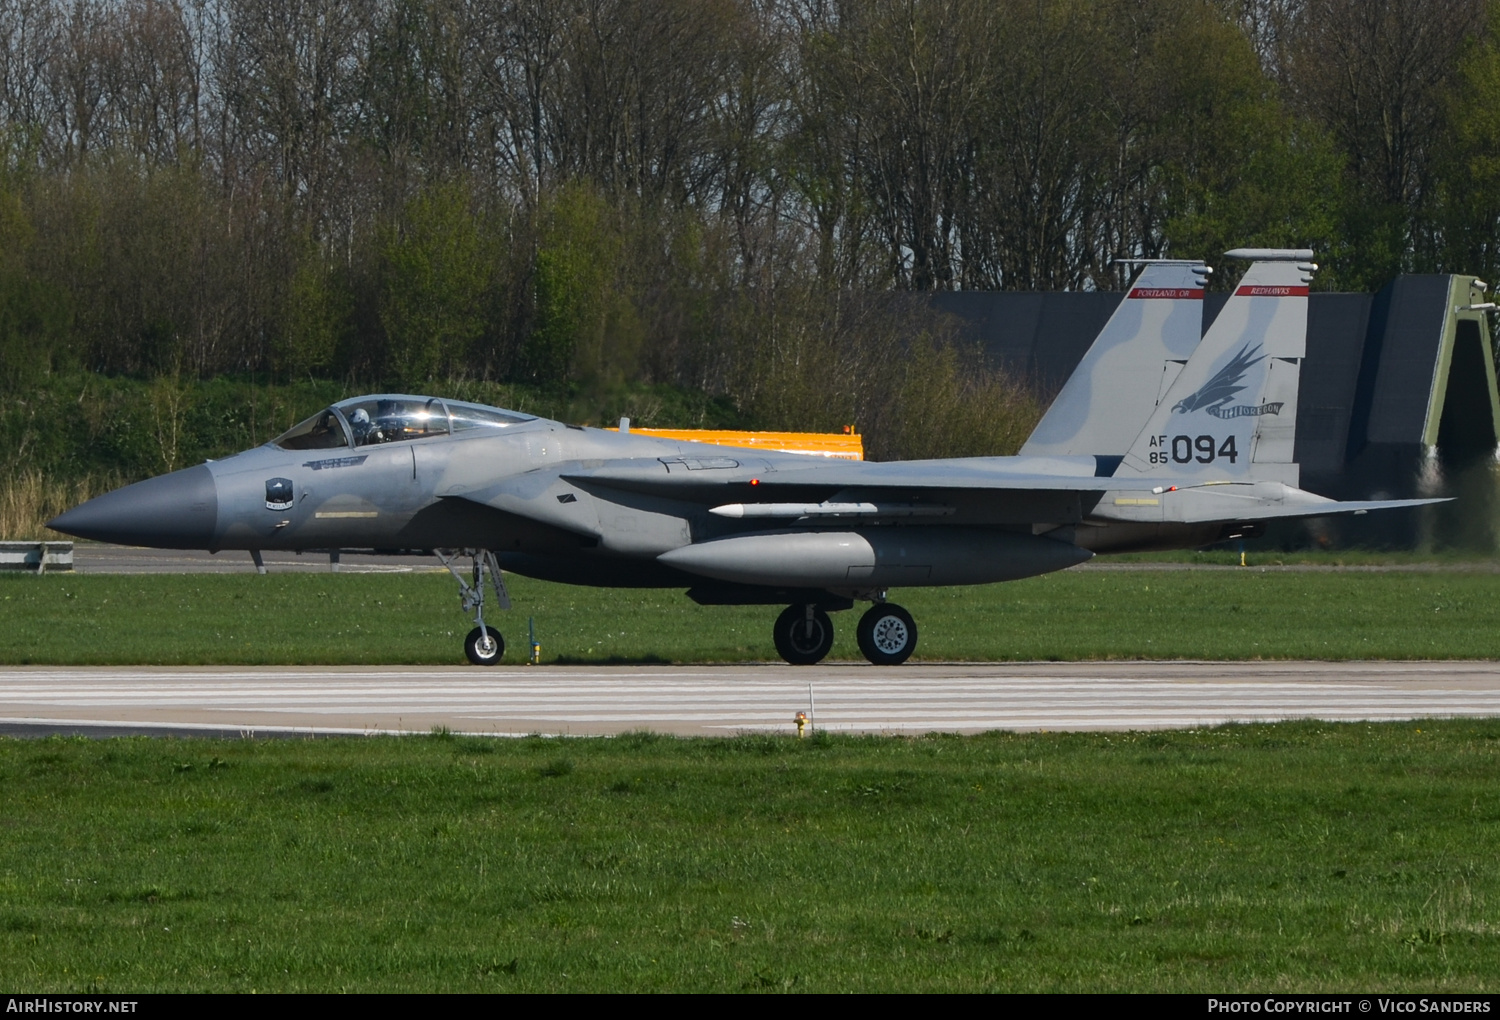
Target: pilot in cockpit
(386, 426)
(359, 420)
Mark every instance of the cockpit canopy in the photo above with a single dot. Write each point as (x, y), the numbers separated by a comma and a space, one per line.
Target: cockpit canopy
(366, 421)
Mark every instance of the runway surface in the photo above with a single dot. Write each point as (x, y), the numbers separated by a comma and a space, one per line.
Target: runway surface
(100, 558)
(724, 700)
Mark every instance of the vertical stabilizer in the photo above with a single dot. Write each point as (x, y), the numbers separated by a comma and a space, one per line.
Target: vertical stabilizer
(1231, 413)
(1114, 389)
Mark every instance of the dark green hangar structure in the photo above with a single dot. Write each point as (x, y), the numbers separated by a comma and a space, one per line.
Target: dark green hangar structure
(1398, 395)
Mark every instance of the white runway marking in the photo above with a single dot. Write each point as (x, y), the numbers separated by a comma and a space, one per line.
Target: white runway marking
(910, 699)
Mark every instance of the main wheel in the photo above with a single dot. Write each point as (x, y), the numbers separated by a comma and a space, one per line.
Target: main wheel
(803, 640)
(887, 634)
(484, 649)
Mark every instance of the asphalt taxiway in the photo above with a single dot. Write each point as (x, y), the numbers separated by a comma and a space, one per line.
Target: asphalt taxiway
(270, 701)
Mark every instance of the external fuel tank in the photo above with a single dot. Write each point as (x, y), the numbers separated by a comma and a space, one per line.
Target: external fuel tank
(878, 557)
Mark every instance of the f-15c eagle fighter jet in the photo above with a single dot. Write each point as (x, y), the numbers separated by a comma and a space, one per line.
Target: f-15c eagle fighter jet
(1157, 441)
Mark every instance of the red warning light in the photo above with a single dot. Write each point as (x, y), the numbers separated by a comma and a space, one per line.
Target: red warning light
(755, 481)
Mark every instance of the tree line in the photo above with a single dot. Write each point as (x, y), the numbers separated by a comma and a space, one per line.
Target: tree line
(733, 196)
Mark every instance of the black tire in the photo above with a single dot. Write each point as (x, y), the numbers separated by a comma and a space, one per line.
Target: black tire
(481, 656)
(801, 641)
(887, 634)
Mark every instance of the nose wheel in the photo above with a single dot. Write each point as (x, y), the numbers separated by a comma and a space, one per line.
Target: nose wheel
(887, 634)
(804, 635)
(484, 646)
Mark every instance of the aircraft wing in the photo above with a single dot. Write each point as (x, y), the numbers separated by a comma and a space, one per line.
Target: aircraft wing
(762, 487)
(698, 477)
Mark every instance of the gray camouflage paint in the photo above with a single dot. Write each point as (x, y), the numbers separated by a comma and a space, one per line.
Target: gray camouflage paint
(597, 507)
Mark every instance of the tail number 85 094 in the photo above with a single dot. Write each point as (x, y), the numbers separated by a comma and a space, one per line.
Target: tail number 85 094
(1183, 449)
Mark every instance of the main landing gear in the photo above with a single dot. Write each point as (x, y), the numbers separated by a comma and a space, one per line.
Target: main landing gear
(484, 645)
(804, 634)
(887, 634)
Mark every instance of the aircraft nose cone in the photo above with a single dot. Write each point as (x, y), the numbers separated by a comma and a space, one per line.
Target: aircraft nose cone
(175, 511)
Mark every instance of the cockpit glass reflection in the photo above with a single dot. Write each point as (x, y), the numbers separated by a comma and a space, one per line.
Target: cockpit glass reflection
(323, 431)
(373, 420)
(395, 419)
(479, 416)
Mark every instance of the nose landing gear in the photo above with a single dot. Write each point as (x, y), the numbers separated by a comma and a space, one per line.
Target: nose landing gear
(484, 645)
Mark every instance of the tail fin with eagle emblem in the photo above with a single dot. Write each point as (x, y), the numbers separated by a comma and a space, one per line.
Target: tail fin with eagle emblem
(1231, 413)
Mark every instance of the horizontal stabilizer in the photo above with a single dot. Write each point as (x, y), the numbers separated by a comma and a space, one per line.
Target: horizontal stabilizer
(1229, 502)
(1208, 506)
(1334, 507)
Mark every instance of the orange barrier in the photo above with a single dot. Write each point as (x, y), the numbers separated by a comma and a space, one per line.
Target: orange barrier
(849, 445)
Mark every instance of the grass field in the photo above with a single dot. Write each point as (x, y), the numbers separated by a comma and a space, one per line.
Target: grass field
(414, 618)
(1298, 856)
